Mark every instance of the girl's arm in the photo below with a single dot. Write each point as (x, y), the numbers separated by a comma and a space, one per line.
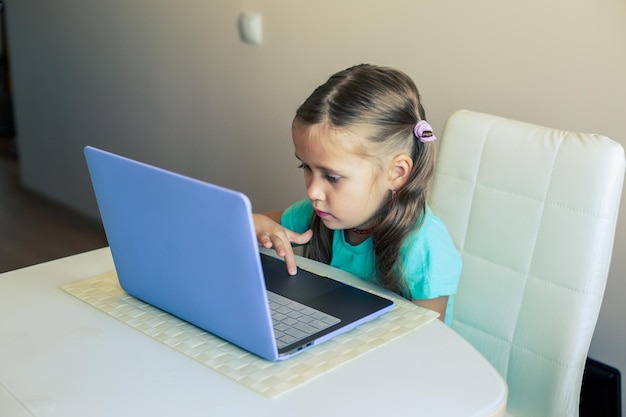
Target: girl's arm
(274, 215)
(270, 234)
(435, 304)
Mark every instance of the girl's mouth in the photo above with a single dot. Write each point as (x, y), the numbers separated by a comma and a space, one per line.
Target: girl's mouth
(321, 213)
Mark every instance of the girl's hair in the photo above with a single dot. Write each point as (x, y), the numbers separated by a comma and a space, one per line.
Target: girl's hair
(383, 106)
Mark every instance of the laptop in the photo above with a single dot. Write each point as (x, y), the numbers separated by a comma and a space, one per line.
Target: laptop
(189, 248)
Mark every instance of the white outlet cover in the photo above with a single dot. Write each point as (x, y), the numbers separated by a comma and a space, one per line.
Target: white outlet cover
(251, 27)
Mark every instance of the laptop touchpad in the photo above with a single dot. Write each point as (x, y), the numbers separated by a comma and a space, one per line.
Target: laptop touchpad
(301, 287)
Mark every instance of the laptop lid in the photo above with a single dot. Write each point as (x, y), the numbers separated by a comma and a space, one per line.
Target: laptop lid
(189, 248)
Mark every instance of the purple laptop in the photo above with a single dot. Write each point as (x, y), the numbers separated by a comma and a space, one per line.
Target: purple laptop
(189, 248)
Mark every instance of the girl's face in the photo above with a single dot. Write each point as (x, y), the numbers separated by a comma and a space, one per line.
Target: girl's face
(345, 188)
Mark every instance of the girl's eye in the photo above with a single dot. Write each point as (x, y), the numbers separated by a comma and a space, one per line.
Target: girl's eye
(332, 178)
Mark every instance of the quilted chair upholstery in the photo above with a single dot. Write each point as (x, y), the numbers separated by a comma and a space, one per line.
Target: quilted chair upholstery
(533, 212)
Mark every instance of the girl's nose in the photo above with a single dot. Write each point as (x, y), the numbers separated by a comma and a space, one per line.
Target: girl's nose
(314, 190)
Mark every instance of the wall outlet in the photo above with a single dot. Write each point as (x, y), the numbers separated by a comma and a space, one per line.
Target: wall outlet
(251, 27)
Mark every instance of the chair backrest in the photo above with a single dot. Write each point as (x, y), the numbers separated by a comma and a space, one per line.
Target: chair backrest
(533, 212)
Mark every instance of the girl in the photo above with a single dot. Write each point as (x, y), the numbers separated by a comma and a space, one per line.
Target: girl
(367, 156)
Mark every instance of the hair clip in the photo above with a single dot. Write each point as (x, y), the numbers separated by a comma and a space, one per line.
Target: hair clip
(424, 132)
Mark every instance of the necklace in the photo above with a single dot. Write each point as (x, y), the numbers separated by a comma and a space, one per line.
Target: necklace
(362, 231)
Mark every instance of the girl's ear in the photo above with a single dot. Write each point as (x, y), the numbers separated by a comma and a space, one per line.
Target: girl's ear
(399, 169)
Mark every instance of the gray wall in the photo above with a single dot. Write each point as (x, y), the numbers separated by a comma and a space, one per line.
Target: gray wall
(171, 84)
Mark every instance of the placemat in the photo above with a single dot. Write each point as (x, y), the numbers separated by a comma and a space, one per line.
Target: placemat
(271, 379)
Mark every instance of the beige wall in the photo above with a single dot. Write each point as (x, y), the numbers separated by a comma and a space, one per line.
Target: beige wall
(170, 83)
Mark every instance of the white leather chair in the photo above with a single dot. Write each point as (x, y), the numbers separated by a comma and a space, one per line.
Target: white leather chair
(533, 211)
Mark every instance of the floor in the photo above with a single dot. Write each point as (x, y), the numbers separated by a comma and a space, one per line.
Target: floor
(34, 229)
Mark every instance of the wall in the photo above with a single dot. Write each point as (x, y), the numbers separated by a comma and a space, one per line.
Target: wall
(171, 84)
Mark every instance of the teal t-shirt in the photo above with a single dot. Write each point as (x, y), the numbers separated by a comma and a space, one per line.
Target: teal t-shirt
(431, 263)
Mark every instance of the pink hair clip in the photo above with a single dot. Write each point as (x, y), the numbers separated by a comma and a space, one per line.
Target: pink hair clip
(424, 132)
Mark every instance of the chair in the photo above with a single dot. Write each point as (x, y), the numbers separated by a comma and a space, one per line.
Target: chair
(533, 212)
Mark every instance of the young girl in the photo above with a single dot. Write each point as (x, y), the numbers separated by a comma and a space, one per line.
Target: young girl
(367, 154)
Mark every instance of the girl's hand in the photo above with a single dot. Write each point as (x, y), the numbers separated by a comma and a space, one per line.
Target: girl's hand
(271, 234)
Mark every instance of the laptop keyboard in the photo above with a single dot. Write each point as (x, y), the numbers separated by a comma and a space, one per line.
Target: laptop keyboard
(294, 321)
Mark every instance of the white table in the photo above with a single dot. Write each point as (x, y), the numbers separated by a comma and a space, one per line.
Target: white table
(62, 357)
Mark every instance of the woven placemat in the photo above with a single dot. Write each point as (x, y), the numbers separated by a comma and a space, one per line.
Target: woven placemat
(268, 378)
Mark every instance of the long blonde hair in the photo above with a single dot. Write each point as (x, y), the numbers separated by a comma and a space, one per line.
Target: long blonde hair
(384, 104)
